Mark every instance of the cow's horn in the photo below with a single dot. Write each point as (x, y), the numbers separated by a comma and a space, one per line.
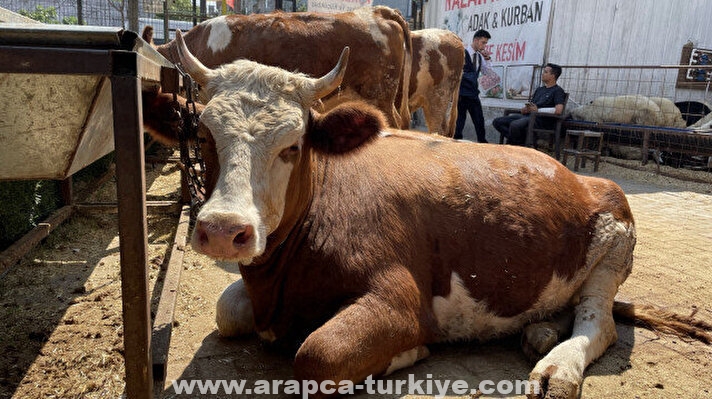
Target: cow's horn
(193, 67)
(327, 83)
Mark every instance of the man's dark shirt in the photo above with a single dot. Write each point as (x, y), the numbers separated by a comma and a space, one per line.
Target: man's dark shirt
(549, 97)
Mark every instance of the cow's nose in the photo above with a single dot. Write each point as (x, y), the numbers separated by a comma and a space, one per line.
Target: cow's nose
(223, 239)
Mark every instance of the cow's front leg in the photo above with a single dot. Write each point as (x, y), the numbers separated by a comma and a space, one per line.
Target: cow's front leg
(233, 313)
(366, 338)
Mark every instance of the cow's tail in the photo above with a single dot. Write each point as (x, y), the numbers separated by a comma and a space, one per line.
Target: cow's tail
(404, 80)
(664, 321)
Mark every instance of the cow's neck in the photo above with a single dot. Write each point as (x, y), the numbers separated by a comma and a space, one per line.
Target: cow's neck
(265, 273)
(299, 195)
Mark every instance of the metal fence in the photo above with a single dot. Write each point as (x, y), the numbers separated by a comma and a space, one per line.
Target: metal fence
(157, 13)
(665, 145)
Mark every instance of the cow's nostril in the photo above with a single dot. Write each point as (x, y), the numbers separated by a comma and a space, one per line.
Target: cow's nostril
(243, 236)
(201, 233)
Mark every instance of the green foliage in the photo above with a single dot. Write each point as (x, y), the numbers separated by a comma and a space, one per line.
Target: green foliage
(70, 21)
(28, 202)
(25, 203)
(180, 10)
(48, 15)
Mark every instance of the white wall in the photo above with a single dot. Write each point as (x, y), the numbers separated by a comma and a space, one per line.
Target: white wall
(615, 33)
(627, 32)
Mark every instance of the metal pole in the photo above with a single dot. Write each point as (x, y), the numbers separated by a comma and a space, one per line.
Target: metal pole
(166, 38)
(132, 14)
(133, 229)
(80, 12)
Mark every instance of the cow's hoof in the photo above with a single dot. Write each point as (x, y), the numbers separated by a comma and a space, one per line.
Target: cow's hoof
(538, 339)
(546, 386)
(233, 313)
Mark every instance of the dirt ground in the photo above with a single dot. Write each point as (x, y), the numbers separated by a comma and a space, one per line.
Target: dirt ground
(61, 334)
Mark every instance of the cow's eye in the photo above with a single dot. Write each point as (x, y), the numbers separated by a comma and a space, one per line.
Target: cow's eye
(290, 153)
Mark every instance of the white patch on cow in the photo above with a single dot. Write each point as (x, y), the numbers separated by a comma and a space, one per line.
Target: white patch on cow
(407, 359)
(220, 34)
(460, 317)
(613, 239)
(366, 14)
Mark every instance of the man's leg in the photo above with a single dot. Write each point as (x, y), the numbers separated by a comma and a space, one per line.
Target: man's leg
(461, 117)
(502, 124)
(518, 130)
(478, 119)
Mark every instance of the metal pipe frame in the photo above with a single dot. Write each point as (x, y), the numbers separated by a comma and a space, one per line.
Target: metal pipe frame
(128, 72)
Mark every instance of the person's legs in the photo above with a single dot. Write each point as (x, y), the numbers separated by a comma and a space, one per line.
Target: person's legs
(518, 130)
(475, 108)
(461, 117)
(503, 125)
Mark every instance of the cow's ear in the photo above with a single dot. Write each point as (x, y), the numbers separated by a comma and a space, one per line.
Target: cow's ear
(164, 117)
(344, 128)
(161, 117)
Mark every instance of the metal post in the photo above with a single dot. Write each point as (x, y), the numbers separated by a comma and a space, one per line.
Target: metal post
(80, 12)
(133, 230)
(166, 38)
(132, 14)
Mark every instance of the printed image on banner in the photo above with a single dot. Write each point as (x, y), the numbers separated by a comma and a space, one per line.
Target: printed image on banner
(336, 6)
(518, 29)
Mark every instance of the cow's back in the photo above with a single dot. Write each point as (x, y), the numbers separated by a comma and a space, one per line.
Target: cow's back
(311, 43)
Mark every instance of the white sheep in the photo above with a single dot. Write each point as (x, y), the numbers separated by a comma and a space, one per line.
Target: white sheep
(632, 109)
(672, 117)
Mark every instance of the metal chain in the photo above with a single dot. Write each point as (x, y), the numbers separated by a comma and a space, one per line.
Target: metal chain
(189, 143)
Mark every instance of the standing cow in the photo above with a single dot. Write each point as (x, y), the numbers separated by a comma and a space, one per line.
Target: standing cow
(438, 58)
(379, 72)
(366, 243)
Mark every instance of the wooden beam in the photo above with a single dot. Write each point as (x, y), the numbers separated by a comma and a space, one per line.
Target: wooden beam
(21, 247)
(163, 322)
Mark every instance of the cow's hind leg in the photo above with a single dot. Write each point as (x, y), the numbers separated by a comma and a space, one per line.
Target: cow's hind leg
(540, 338)
(366, 338)
(560, 373)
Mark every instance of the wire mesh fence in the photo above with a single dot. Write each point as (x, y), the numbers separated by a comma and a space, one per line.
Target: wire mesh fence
(164, 16)
(646, 112)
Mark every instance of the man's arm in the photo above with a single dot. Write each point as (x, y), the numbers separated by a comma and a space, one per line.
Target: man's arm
(559, 109)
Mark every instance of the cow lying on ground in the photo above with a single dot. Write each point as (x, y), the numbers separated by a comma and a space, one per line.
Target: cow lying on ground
(631, 109)
(365, 244)
(309, 43)
(438, 57)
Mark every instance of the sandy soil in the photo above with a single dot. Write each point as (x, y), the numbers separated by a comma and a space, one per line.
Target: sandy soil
(61, 334)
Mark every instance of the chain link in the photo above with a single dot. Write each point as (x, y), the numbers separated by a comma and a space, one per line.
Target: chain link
(190, 156)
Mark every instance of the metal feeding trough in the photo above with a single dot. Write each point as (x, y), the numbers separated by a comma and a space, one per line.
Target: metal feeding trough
(56, 106)
(68, 96)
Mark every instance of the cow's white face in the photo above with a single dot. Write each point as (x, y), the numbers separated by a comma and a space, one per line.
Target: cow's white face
(257, 116)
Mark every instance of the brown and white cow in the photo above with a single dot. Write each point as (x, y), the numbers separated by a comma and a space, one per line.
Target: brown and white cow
(378, 72)
(438, 58)
(366, 244)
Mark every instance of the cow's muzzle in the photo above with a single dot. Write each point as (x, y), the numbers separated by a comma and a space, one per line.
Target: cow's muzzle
(224, 239)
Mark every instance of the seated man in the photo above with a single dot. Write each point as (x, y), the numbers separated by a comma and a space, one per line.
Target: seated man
(550, 95)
